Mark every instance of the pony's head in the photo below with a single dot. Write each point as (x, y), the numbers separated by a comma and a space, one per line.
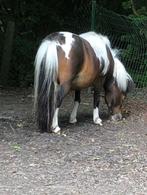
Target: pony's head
(117, 89)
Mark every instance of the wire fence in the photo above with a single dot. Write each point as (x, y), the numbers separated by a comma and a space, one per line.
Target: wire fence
(130, 37)
(126, 34)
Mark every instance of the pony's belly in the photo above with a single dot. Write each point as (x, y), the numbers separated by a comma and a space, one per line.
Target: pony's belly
(82, 82)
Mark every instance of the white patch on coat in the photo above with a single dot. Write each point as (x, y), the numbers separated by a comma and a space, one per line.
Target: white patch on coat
(55, 126)
(96, 118)
(68, 43)
(98, 42)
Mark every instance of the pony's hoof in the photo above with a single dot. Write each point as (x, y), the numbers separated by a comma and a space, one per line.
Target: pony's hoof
(56, 130)
(72, 120)
(98, 121)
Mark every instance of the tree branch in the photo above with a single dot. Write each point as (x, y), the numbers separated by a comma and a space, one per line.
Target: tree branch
(133, 8)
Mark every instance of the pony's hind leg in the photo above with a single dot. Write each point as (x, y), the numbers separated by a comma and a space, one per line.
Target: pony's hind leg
(96, 100)
(73, 116)
(61, 93)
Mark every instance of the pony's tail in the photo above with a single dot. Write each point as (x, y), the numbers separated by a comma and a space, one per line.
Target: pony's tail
(45, 83)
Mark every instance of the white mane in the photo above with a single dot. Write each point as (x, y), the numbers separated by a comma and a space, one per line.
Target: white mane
(98, 42)
(121, 75)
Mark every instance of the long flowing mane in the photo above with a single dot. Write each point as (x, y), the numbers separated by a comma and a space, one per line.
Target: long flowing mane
(121, 76)
(99, 42)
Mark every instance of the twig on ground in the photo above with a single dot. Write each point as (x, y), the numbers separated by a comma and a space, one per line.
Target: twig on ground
(6, 118)
(12, 128)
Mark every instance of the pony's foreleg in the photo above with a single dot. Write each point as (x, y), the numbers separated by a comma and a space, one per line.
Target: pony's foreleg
(62, 91)
(73, 116)
(96, 101)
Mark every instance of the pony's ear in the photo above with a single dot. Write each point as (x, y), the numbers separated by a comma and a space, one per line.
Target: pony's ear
(131, 86)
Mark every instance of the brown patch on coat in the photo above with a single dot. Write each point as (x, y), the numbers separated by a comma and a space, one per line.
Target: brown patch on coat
(69, 68)
(90, 68)
(81, 69)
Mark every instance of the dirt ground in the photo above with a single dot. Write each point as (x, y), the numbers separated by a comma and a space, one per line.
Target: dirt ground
(85, 159)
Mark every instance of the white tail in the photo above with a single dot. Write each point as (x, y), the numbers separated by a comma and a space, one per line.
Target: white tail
(46, 70)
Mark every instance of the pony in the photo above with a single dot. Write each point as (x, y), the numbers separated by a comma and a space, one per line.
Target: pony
(66, 61)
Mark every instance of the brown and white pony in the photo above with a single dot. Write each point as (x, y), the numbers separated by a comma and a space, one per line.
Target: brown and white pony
(66, 61)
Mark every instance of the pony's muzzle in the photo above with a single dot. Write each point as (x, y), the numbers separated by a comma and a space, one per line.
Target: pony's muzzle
(116, 117)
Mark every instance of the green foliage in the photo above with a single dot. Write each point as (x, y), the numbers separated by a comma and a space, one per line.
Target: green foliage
(131, 5)
(35, 19)
(141, 22)
(126, 5)
(136, 49)
(135, 52)
(129, 34)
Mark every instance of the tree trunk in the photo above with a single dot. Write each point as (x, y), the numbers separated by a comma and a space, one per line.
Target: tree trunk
(7, 51)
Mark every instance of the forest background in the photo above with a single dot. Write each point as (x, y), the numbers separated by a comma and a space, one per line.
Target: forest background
(24, 23)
